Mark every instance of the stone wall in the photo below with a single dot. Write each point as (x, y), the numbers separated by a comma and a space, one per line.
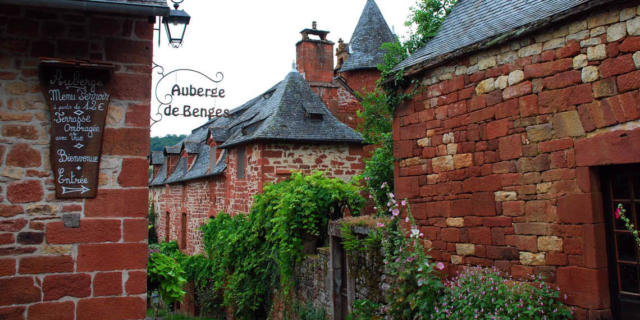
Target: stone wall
(204, 198)
(498, 153)
(99, 269)
(313, 283)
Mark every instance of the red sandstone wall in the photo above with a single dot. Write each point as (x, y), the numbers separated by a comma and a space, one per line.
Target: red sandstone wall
(337, 161)
(97, 271)
(497, 155)
(240, 191)
(202, 199)
(361, 80)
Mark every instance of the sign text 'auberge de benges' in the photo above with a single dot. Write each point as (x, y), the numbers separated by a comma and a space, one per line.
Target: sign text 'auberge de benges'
(176, 91)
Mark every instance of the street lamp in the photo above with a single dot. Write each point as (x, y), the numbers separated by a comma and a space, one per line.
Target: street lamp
(176, 24)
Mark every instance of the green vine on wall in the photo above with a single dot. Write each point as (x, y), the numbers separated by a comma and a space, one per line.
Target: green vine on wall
(249, 257)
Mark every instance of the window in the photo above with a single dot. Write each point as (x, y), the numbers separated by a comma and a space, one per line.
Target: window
(621, 185)
(241, 164)
(183, 232)
(167, 226)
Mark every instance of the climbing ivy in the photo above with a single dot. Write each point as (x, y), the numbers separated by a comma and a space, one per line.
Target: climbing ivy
(249, 257)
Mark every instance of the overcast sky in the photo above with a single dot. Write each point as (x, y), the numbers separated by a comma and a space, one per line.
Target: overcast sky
(252, 42)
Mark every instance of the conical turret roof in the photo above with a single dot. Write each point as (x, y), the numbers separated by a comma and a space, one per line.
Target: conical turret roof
(370, 33)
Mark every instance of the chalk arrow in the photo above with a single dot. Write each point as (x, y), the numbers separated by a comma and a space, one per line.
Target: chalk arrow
(82, 189)
(79, 112)
(79, 145)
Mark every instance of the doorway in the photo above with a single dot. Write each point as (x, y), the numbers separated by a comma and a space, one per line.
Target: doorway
(340, 280)
(621, 185)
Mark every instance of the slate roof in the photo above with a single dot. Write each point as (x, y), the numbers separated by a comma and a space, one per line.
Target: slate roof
(288, 112)
(157, 157)
(131, 7)
(161, 177)
(478, 24)
(370, 33)
(141, 2)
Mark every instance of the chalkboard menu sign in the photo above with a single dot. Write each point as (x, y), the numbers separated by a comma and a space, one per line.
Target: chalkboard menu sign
(78, 97)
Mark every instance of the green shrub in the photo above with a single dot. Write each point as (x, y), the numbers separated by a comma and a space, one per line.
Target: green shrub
(479, 293)
(242, 271)
(365, 310)
(248, 256)
(297, 209)
(308, 312)
(167, 276)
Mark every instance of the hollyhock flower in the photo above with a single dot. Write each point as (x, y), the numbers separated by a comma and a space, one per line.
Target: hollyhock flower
(395, 212)
(384, 184)
(415, 233)
(440, 266)
(391, 195)
(406, 219)
(618, 211)
(380, 225)
(403, 203)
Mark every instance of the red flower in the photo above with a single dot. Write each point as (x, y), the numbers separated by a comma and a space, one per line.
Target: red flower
(618, 211)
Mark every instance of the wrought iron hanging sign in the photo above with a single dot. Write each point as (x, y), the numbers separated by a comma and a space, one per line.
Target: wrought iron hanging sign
(78, 96)
(168, 91)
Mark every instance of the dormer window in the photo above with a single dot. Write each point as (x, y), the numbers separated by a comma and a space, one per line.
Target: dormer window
(268, 94)
(314, 116)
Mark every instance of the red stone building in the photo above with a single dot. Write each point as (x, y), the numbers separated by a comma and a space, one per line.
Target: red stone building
(97, 269)
(299, 124)
(524, 139)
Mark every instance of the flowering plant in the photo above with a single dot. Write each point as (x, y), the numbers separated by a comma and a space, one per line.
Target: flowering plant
(621, 215)
(417, 280)
(480, 293)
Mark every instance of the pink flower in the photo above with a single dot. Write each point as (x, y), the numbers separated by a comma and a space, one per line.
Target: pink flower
(380, 225)
(440, 266)
(406, 219)
(395, 212)
(391, 195)
(618, 212)
(370, 197)
(403, 203)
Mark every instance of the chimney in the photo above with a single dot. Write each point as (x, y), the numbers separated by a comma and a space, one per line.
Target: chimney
(314, 57)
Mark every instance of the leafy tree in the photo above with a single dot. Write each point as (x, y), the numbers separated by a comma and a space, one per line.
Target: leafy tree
(158, 143)
(426, 17)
